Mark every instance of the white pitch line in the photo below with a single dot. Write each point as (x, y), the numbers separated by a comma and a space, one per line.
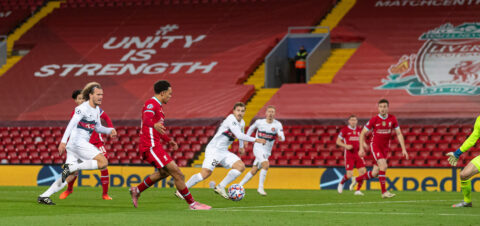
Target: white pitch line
(331, 204)
(352, 212)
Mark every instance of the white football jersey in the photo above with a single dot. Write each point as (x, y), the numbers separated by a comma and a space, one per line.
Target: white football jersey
(230, 129)
(85, 120)
(267, 131)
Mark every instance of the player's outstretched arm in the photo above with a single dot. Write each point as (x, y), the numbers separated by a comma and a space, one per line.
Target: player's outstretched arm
(401, 140)
(105, 130)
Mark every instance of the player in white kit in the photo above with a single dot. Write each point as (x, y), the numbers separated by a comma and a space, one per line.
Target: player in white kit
(81, 154)
(217, 152)
(268, 129)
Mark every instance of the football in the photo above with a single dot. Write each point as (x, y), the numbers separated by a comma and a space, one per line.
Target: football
(236, 192)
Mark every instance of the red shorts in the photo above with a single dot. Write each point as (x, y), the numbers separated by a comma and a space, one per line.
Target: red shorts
(101, 148)
(156, 156)
(379, 151)
(352, 160)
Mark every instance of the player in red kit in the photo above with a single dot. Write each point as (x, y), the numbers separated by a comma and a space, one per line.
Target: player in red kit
(381, 126)
(97, 140)
(151, 149)
(349, 139)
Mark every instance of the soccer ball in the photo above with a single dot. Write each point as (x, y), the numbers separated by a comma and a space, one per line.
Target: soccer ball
(236, 192)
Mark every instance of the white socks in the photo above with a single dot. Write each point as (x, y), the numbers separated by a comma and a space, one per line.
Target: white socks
(246, 179)
(261, 180)
(231, 176)
(86, 165)
(55, 187)
(194, 180)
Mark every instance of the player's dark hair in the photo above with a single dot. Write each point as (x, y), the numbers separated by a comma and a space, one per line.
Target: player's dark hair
(384, 101)
(89, 88)
(351, 116)
(160, 86)
(76, 93)
(238, 104)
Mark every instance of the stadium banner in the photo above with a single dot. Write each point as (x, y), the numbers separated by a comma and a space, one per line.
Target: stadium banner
(406, 179)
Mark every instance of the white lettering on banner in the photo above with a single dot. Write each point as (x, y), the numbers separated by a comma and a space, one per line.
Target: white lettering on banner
(47, 70)
(142, 55)
(120, 69)
(167, 28)
(178, 66)
(69, 67)
(5, 14)
(140, 49)
(157, 68)
(421, 3)
(109, 69)
(189, 41)
(151, 41)
(198, 66)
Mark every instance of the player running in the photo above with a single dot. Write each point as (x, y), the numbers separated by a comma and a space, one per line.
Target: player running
(97, 140)
(267, 129)
(381, 126)
(151, 149)
(348, 138)
(81, 155)
(472, 168)
(217, 150)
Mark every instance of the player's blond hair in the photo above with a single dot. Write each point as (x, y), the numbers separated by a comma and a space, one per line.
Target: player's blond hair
(271, 106)
(88, 89)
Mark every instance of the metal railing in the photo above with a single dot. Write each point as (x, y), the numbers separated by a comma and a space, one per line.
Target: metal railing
(3, 50)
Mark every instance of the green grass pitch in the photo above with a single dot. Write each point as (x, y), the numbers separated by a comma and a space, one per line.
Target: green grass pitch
(18, 206)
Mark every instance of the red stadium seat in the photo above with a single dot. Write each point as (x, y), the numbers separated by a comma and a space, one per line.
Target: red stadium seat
(319, 162)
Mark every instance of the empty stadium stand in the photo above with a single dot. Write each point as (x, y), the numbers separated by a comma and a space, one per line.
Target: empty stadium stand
(308, 146)
(390, 35)
(204, 50)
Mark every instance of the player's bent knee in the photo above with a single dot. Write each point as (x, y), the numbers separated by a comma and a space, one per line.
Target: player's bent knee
(205, 173)
(265, 165)
(239, 165)
(464, 175)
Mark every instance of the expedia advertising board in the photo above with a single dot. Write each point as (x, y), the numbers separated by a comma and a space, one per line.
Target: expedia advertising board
(411, 179)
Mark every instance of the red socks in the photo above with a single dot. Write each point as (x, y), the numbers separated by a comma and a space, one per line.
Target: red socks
(70, 185)
(145, 184)
(359, 185)
(105, 179)
(381, 178)
(186, 194)
(344, 179)
(365, 176)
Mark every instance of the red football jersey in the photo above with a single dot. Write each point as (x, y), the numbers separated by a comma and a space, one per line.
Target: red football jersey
(97, 138)
(382, 128)
(351, 136)
(152, 113)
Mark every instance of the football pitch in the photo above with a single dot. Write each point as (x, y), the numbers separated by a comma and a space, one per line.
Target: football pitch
(18, 206)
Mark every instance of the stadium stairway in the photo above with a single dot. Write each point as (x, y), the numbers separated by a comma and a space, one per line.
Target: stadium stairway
(339, 56)
(12, 60)
(337, 13)
(333, 64)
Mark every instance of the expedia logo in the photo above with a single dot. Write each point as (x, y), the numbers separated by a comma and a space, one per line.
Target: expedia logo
(48, 174)
(331, 177)
(447, 63)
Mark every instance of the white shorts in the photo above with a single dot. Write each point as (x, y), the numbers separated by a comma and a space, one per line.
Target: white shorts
(260, 156)
(80, 152)
(214, 157)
